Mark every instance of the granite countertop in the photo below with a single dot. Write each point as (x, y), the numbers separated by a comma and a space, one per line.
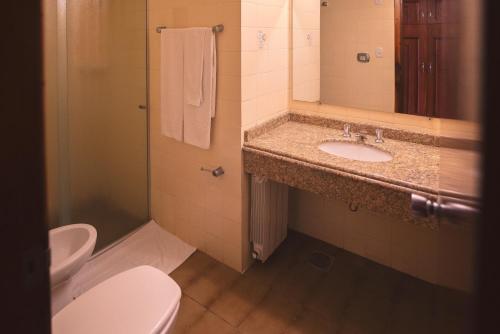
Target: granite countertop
(414, 166)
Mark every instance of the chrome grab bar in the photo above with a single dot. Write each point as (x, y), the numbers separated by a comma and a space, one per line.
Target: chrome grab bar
(454, 211)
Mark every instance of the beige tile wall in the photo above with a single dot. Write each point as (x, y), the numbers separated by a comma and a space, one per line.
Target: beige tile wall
(253, 86)
(347, 28)
(202, 210)
(436, 126)
(264, 68)
(443, 257)
(306, 21)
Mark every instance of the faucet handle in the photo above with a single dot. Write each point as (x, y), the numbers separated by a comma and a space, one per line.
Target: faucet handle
(378, 134)
(347, 130)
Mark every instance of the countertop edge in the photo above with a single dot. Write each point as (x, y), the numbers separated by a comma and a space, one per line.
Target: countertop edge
(345, 173)
(357, 192)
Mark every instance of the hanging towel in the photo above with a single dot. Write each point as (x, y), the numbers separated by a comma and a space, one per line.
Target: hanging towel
(198, 118)
(195, 41)
(188, 84)
(172, 83)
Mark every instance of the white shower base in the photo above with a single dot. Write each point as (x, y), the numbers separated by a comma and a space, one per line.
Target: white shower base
(149, 245)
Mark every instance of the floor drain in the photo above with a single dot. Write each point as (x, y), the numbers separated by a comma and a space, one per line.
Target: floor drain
(321, 261)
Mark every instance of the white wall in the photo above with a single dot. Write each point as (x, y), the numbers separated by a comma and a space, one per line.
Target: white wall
(264, 66)
(444, 257)
(347, 28)
(306, 50)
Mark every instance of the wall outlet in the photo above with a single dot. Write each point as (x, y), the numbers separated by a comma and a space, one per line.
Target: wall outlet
(378, 2)
(379, 52)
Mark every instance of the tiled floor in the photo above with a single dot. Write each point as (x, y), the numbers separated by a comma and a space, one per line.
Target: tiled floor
(288, 295)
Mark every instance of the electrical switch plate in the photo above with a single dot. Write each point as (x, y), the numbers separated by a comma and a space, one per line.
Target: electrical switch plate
(363, 57)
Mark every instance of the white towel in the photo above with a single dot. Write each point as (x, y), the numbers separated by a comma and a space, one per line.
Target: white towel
(195, 40)
(172, 83)
(198, 118)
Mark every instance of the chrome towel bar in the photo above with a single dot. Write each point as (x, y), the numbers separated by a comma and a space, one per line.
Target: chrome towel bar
(217, 28)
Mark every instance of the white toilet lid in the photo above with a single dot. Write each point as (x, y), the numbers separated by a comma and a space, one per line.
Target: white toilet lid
(140, 300)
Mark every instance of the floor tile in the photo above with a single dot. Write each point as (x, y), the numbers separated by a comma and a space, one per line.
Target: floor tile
(288, 295)
(189, 312)
(211, 324)
(332, 294)
(367, 314)
(312, 323)
(195, 266)
(378, 281)
(272, 316)
(236, 303)
(451, 312)
(298, 283)
(211, 284)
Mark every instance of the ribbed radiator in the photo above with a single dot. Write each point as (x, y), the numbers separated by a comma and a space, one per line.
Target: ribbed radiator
(268, 216)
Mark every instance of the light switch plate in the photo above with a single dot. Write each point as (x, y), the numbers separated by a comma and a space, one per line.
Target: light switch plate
(363, 57)
(379, 52)
(379, 2)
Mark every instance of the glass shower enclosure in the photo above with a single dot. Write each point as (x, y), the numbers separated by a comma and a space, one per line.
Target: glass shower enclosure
(96, 115)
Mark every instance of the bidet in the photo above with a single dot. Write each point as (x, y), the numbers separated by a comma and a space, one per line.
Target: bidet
(70, 247)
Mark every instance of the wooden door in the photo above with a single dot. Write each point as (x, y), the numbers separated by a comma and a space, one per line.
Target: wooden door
(414, 12)
(442, 80)
(442, 11)
(413, 53)
(427, 70)
(442, 58)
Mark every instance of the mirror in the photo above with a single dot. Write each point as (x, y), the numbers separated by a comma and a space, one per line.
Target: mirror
(381, 55)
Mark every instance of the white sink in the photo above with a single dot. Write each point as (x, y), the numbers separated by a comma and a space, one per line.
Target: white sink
(355, 151)
(70, 247)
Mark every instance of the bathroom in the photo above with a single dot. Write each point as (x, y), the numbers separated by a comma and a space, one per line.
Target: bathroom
(253, 166)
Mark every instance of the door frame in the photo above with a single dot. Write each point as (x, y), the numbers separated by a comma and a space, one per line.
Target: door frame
(24, 285)
(488, 268)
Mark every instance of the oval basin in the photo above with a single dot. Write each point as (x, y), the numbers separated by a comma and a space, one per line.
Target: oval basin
(355, 151)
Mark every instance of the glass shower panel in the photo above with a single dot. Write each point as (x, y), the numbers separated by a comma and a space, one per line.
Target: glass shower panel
(106, 149)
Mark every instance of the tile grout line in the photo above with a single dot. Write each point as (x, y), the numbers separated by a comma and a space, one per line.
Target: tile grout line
(198, 318)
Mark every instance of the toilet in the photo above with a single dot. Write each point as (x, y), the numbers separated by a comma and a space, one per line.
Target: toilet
(142, 300)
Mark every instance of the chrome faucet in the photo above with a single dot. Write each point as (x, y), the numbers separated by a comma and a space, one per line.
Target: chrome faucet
(347, 131)
(378, 134)
(361, 137)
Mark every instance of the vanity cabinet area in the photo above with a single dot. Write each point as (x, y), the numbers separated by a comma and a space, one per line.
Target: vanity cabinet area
(426, 54)
(362, 203)
(360, 170)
